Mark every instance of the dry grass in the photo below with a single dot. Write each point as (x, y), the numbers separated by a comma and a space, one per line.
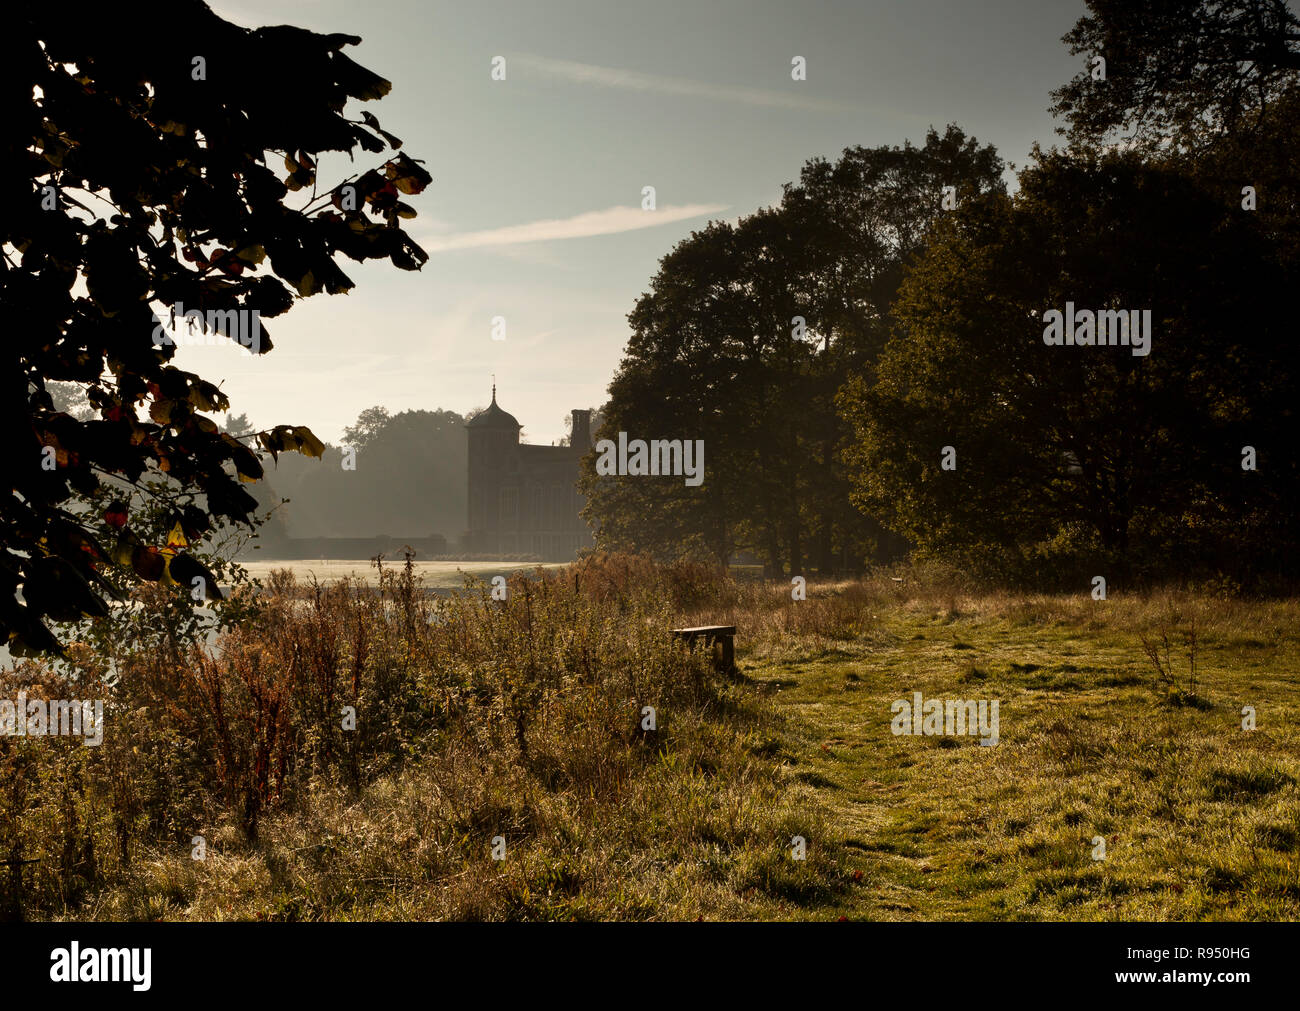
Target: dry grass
(476, 720)
(521, 720)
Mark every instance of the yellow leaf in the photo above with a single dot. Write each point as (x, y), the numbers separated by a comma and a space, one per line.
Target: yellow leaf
(308, 444)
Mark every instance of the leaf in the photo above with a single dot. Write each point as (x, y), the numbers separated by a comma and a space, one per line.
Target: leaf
(278, 440)
(369, 119)
(206, 397)
(251, 254)
(54, 587)
(308, 444)
(33, 641)
(407, 175)
(357, 81)
(308, 285)
(247, 466)
(161, 411)
(123, 550)
(148, 563)
(194, 522)
(184, 570)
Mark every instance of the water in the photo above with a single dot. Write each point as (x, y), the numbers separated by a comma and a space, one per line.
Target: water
(439, 578)
(435, 575)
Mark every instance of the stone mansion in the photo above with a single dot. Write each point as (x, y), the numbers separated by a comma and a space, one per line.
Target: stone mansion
(523, 499)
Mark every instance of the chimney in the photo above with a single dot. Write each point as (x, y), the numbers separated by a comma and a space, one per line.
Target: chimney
(581, 436)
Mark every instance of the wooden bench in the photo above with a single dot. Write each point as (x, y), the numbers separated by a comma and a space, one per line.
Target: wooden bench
(721, 640)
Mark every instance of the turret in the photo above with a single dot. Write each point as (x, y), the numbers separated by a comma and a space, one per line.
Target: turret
(581, 437)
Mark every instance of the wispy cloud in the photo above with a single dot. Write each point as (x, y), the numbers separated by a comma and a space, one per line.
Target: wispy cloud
(633, 80)
(581, 226)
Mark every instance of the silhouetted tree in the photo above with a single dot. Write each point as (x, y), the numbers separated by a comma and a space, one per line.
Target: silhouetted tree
(1079, 453)
(369, 423)
(408, 479)
(145, 175)
(1179, 72)
(744, 338)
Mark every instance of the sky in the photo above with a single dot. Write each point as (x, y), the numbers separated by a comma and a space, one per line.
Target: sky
(535, 210)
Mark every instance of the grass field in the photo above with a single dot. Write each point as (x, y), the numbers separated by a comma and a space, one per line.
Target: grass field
(1201, 819)
(522, 720)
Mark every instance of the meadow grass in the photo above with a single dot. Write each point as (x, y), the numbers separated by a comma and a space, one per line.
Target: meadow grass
(521, 721)
(1200, 818)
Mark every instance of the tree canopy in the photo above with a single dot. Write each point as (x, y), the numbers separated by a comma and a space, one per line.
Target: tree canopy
(148, 179)
(922, 402)
(407, 477)
(745, 336)
(1179, 72)
(1072, 454)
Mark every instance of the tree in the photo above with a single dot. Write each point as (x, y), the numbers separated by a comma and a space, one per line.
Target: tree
(1074, 454)
(147, 181)
(1212, 86)
(408, 479)
(369, 423)
(239, 425)
(742, 341)
(679, 323)
(1179, 73)
(867, 217)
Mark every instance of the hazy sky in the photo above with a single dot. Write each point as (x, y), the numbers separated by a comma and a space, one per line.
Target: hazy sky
(535, 214)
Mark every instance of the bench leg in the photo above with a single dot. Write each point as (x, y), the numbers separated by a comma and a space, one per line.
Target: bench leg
(728, 661)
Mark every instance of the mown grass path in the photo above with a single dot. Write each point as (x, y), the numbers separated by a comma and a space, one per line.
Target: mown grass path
(1201, 819)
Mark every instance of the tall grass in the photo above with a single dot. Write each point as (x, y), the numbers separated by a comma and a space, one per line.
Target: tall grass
(360, 750)
(355, 750)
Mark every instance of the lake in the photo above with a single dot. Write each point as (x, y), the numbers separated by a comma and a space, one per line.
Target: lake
(435, 575)
(439, 577)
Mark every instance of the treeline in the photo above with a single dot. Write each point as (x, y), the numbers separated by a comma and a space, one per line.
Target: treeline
(866, 361)
(406, 476)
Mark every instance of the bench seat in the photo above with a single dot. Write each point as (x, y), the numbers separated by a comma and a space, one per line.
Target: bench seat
(719, 638)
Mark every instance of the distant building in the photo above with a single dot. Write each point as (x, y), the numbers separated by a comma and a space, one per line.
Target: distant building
(523, 500)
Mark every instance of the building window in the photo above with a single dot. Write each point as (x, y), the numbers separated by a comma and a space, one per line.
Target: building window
(556, 511)
(509, 508)
(535, 507)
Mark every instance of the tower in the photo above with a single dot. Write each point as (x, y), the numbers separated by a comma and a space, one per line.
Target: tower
(493, 446)
(524, 500)
(580, 436)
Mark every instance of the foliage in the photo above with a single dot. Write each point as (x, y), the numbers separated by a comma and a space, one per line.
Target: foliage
(1081, 456)
(410, 479)
(715, 356)
(146, 176)
(1184, 73)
